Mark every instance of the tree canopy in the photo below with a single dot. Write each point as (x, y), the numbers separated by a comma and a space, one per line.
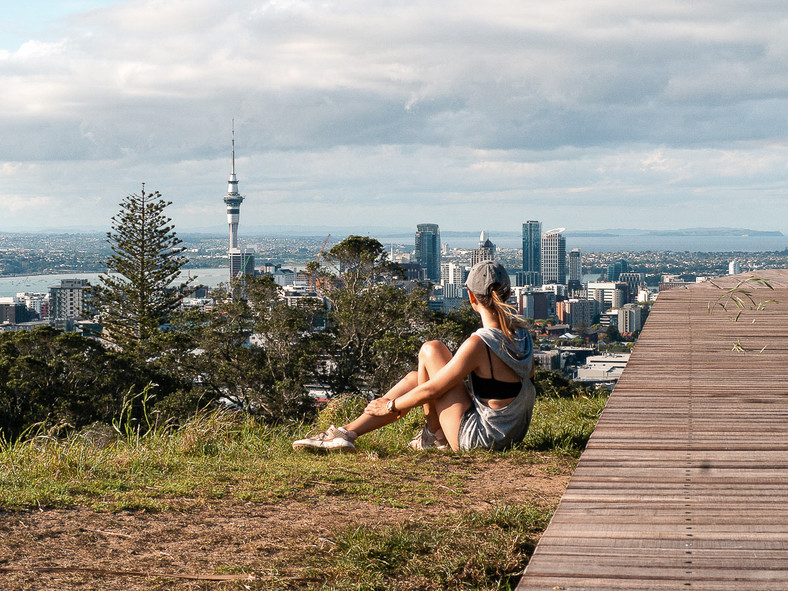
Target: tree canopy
(251, 349)
(54, 376)
(374, 326)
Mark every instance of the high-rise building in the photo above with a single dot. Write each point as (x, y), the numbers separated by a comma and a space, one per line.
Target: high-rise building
(634, 281)
(554, 256)
(454, 296)
(575, 265)
(532, 252)
(486, 250)
(452, 274)
(609, 294)
(428, 250)
(67, 302)
(233, 200)
(734, 267)
(615, 269)
(241, 262)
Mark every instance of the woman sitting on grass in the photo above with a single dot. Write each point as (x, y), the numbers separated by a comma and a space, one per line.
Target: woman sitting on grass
(495, 408)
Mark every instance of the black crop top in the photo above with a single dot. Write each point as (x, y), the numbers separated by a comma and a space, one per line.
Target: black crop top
(492, 388)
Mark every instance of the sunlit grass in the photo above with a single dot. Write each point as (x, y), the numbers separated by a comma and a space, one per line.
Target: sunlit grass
(216, 455)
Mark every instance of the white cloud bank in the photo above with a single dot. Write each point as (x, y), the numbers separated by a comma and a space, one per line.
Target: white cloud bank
(583, 114)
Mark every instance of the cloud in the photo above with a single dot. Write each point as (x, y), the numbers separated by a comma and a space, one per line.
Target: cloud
(404, 108)
(14, 204)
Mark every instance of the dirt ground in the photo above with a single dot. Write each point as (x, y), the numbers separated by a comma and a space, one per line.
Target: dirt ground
(81, 549)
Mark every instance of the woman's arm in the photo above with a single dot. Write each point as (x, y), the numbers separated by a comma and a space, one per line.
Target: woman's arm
(454, 372)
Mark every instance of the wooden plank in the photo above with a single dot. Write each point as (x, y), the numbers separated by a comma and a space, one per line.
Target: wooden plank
(685, 480)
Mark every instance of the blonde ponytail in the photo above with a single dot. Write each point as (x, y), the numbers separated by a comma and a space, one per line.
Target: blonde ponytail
(505, 314)
(496, 301)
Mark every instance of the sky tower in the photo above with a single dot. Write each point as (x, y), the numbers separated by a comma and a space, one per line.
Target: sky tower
(233, 200)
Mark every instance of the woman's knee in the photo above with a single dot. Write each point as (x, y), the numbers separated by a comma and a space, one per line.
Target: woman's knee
(433, 355)
(434, 349)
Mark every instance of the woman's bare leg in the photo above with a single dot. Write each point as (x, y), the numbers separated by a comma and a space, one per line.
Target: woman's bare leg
(444, 412)
(366, 423)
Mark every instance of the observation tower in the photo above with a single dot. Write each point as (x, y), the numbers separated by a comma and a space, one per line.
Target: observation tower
(233, 200)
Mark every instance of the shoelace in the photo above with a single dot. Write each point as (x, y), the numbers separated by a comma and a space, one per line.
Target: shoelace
(321, 435)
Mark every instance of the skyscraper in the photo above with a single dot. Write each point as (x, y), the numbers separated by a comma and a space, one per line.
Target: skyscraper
(428, 250)
(575, 265)
(233, 200)
(575, 283)
(554, 256)
(532, 252)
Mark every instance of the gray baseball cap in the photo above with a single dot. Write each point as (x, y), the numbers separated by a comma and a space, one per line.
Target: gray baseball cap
(484, 275)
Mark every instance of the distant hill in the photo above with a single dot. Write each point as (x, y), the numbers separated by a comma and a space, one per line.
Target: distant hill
(714, 232)
(680, 232)
(607, 233)
(387, 234)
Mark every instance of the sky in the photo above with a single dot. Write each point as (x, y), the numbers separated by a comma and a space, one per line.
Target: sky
(379, 113)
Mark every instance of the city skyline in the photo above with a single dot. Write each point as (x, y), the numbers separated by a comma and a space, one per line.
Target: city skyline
(584, 115)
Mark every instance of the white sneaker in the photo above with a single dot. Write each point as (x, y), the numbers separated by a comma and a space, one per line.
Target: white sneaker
(424, 439)
(333, 438)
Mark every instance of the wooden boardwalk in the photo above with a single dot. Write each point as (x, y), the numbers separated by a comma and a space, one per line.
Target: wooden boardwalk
(684, 483)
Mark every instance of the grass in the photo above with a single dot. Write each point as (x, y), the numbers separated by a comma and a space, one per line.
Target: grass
(481, 550)
(564, 424)
(219, 456)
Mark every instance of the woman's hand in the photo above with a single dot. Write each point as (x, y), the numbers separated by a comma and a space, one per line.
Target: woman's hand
(377, 408)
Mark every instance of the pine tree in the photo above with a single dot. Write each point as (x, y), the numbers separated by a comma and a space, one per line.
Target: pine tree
(136, 295)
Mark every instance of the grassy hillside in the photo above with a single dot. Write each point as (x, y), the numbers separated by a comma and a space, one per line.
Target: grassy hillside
(384, 518)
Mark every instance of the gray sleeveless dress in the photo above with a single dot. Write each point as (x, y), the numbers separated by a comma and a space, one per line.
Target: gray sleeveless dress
(482, 426)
